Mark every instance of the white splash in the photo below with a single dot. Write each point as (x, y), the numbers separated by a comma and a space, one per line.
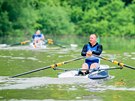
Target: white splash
(24, 83)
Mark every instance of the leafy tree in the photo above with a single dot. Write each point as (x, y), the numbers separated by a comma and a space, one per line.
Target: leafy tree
(105, 17)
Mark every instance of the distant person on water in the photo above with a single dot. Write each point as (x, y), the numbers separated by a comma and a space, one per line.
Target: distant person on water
(89, 50)
(38, 36)
(38, 39)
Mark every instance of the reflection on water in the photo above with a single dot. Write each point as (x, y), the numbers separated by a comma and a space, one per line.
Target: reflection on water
(36, 82)
(24, 83)
(24, 58)
(104, 87)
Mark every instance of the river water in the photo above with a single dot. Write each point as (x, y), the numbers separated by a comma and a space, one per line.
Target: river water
(24, 83)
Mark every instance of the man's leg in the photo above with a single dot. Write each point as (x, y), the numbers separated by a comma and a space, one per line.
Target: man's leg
(85, 67)
(83, 70)
(94, 66)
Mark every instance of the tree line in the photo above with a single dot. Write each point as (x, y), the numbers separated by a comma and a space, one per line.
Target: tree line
(81, 17)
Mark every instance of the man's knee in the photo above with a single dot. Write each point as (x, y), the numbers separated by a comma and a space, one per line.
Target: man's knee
(94, 65)
(85, 66)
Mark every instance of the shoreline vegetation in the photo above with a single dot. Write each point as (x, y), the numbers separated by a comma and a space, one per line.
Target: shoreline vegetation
(67, 17)
(69, 21)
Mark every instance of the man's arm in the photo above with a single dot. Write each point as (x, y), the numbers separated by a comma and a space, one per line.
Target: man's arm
(33, 36)
(84, 50)
(98, 51)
